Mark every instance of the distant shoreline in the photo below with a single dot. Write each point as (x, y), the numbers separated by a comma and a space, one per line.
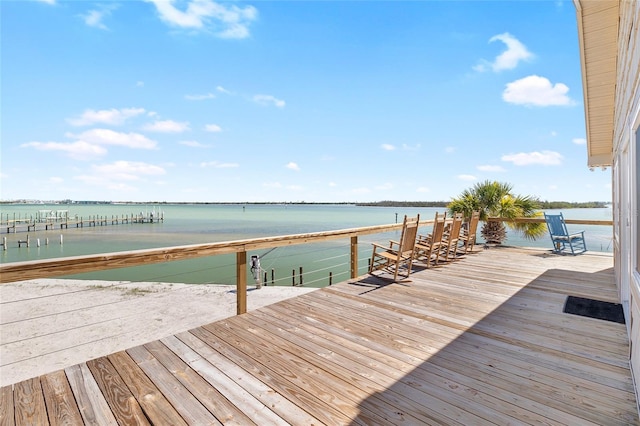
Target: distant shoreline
(544, 205)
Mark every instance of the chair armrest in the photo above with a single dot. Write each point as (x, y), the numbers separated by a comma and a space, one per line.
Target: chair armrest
(577, 234)
(387, 248)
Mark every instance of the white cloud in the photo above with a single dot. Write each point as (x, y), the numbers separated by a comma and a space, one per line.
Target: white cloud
(332, 184)
(193, 144)
(90, 144)
(223, 90)
(112, 116)
(79, 150)
(219, 165)
(127, 170)
(224, 21)
(295, 187)
(214, 128)
(55, 179)
(546, 158)
(139, 83)
(110, 137)
(537, 91)
(201, 97)
(489, 168)
(119, 175)
(47, 1)
(293, 166)
(509, 59)
(268, 100)
(450, 149)
(167, 126)
(423, 189)
(579, 141)
(467, 177)
(95, 17)
(388, 147)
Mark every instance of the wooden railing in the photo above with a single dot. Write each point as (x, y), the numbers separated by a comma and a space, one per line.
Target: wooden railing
(18, 271)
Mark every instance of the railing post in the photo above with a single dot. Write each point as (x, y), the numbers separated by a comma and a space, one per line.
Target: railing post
(241, 282)
(354, 256)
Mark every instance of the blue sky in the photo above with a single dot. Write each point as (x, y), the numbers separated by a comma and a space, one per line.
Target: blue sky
(323, 101)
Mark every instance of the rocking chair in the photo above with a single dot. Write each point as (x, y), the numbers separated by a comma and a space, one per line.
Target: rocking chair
(451, 238)
(399, 254)
(468, 233)
(428, 247)
(560, 237)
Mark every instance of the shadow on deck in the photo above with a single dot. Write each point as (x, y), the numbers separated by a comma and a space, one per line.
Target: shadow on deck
(480, 341)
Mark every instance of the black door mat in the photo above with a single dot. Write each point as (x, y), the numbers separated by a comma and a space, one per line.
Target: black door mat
(594, 309)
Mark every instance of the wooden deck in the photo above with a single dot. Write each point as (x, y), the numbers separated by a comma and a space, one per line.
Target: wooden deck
(479, 341)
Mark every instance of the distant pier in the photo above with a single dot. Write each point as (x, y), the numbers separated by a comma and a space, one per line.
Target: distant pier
(46, 220)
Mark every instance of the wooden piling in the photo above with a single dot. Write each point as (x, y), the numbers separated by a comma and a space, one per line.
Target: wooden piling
(26, 242)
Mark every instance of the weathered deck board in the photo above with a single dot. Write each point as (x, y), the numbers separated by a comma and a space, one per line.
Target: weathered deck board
(123, 404)
(209, 396)
(91, 403)
(60, 401)
(29, 403)
(481, 340)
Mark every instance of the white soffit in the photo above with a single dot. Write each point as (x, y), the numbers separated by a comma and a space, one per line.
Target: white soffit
(598, 36)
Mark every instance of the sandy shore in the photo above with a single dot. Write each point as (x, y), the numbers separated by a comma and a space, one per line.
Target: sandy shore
(50, 324)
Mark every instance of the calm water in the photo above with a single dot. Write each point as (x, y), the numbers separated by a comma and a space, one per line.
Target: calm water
(192, 224)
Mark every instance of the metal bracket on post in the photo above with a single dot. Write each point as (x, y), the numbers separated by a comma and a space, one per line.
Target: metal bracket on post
(255, 269)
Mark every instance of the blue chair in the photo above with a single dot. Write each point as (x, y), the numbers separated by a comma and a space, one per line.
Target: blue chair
(563, 242)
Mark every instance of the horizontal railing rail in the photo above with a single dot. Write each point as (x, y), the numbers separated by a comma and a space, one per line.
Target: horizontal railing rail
(567, 221)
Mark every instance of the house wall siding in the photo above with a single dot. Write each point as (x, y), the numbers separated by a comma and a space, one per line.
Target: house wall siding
(625, 146)
(628, 69)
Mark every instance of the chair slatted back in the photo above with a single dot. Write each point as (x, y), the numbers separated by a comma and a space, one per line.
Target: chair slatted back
(473, 223)
(409, 234)
(438, 227)
(456, 225)
(556, 225)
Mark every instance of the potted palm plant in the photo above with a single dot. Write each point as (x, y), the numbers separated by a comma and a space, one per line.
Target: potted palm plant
(496, 200)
